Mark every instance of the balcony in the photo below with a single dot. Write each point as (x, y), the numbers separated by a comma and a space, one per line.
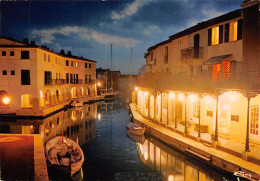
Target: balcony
(62, 81)
(190, 53)
(199, 83)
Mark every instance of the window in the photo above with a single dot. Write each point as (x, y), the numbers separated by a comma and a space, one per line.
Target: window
(254, 120)
(49, 58)
(67, 63)
(166, 55)
(48, 77)
(86, 78)
(4, 72)
(86, 65)
(215, 35)
(226, 69)
(71, 63)
(3, 53)
(25, 55)
(89, 66)
(71, 78)
(216, 71)
(12, 72)
(76, 64)
(67, 78)
(233, 31)
(11, 53)
(89, 78)
(25, 77)
(44, 57)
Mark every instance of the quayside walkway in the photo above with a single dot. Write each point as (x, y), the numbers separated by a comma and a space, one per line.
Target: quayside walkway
(227, 155)
(22, 157)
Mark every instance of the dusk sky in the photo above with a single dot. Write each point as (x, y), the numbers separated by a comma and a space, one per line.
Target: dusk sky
(88, 27)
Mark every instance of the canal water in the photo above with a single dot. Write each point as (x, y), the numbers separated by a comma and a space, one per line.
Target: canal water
(110, 153)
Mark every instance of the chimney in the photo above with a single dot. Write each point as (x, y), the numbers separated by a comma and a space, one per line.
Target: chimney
(26, 41)
(69, 53)
(33, 43)
(62, 52)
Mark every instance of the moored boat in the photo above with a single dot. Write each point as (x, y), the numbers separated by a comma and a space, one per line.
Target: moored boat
(64, 154)
(135, 129)
(77, 103)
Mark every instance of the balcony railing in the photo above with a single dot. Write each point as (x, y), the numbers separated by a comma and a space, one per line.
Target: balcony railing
(62, 81)
(202, 83)
(190, 53)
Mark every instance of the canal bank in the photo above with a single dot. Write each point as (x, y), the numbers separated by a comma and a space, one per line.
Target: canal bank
(22, 157)
(220, 158)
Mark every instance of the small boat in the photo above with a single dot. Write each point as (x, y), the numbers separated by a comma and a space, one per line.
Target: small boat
(243, 175)
(64, 155)
(77, 103)
(135, 129)
(136, 138)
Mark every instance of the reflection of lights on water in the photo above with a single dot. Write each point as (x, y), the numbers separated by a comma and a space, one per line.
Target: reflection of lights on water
(145, 155)
(52, 125)
(170, 178)
(181, 96)
(99, 116)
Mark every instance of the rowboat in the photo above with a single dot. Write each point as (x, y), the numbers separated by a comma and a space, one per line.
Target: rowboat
(135, 129)
(64, 155)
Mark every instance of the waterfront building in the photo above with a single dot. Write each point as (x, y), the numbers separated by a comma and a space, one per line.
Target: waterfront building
(36, 81)
(203, 82)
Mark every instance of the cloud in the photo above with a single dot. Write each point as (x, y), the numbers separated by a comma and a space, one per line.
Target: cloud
(210, 13)
(48, 35)
(129, 10)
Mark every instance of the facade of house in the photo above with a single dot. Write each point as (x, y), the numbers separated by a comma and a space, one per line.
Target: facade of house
(204, 80)
(35, 81)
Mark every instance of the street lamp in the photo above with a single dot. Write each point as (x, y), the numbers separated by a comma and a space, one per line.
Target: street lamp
(6, 100)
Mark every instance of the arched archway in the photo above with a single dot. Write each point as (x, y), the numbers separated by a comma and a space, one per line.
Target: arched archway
(74, 93)
(47, 96)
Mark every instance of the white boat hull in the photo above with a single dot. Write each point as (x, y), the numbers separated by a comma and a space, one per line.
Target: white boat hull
(55, 146)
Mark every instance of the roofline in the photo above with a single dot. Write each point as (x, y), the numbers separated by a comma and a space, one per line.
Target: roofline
(42, 48)
(204, 24)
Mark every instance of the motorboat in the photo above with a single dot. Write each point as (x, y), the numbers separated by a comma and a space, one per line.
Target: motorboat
(135, 129)
(64, 154)
(242, 175)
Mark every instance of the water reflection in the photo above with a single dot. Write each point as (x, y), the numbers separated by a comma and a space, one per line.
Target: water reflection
(79, 124)
(173, 165)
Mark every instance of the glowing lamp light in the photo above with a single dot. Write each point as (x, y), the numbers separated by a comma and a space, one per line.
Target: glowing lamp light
(170, 178)
(233, 97)
(99, 84)
(6, 100)
(181, 97)
(136, 88)
(193, 98)
(171, 94)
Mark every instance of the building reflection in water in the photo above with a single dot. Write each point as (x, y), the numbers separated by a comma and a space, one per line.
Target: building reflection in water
(173, 165)
(78, 124)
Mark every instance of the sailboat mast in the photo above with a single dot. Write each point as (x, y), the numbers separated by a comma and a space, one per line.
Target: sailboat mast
(131, 69)
(111, 69)
(106, 76)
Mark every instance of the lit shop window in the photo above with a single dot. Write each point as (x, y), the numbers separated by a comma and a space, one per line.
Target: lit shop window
(26, 101)
(215, 36)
